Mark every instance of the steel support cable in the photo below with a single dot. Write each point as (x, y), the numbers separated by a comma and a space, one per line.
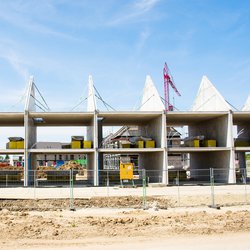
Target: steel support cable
(41, 96)
(39, 102)
(12, 106)
(40, 107)
(206, 101)
(105, 103)
(163, 100)
(145, 102)
(81, 101)
(21, 99)
(100, 98)
(232, 106)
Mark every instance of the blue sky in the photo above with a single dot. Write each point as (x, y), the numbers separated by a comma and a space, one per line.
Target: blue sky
(61, 42)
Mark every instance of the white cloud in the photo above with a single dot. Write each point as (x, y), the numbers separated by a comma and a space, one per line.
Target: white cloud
(17, 64)
(133, 12)
(144, 35)
(26, 16)
(145, 5)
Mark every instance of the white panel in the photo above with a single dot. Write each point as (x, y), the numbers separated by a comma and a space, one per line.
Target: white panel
(91, 104)
(151, 100)
(209, 98)
(247, 105)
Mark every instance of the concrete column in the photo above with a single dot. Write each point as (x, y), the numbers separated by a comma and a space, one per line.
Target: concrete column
(230, 144)
(30, 140)
(165, 152)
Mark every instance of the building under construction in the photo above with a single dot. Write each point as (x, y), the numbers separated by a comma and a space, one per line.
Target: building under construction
(151, 138)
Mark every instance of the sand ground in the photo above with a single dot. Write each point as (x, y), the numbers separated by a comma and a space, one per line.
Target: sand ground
(100, 227)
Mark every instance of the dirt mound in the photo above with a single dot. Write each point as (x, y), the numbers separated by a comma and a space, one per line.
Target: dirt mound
(100, 202)
(65, 225)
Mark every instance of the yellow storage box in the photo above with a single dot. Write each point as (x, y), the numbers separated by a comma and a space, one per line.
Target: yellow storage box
(193, 143)
(12, 145)
(20, 144)
(87, 144)
(209, 143)
(126, 171)
(140, 144)
(149, 144)
(76, 144)
(196, 143)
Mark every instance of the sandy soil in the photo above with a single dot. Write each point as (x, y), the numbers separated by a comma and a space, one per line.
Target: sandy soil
(94, 225)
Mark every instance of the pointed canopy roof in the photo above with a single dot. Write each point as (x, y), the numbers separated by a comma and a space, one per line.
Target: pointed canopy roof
(91, 103)
(151, 100)
(247, 105)
(209, 98)
(30, 96)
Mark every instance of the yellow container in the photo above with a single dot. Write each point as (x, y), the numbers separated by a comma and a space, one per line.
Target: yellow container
(209, 143)
(20, 144)
(125, 145)
(126, 171)
(149, 144)
(193, 143)
(140, 144)
(87, 144)
(196, 143)
(76, 144)
(12, 145)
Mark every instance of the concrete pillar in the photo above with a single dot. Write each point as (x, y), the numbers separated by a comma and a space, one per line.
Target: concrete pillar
(230, 145)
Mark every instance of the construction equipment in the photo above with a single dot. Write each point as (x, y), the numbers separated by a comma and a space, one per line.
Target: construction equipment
(126, 173)
(168, 80)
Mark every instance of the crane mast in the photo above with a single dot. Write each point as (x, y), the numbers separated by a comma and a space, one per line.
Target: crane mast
(168, 80)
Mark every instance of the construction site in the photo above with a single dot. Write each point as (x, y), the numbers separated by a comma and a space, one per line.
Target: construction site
(157, 139)
(144, 174)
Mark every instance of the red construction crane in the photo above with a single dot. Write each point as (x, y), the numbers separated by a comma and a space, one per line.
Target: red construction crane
(168, 80)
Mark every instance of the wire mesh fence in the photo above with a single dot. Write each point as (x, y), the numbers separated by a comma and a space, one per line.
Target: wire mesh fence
(142, 188)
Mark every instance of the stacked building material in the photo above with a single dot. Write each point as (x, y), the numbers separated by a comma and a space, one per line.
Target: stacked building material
(15, 143)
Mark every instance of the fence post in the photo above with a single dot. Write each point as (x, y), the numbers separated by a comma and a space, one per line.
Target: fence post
(212, 189)
(108, 183)
(34, 180)
(212, 186)
(245, 182)
(178, 185)
(144, 201)
(71, 175)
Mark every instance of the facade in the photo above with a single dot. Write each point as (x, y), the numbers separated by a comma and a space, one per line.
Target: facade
(216, 125)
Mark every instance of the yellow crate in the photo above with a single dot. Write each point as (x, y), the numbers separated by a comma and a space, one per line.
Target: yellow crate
(87, 144)
(12, 145)
(196, 143)
(76, 144)
(209, 143)
(20, 144)
(126, 171)
(149, 144)
(193, 143)
(125, 145)
(140, 144)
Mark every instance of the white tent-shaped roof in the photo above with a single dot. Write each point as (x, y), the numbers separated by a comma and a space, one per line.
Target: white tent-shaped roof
(247, 105)
(209, 98)
(91, 103)
(30, 100)
(151, 100)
